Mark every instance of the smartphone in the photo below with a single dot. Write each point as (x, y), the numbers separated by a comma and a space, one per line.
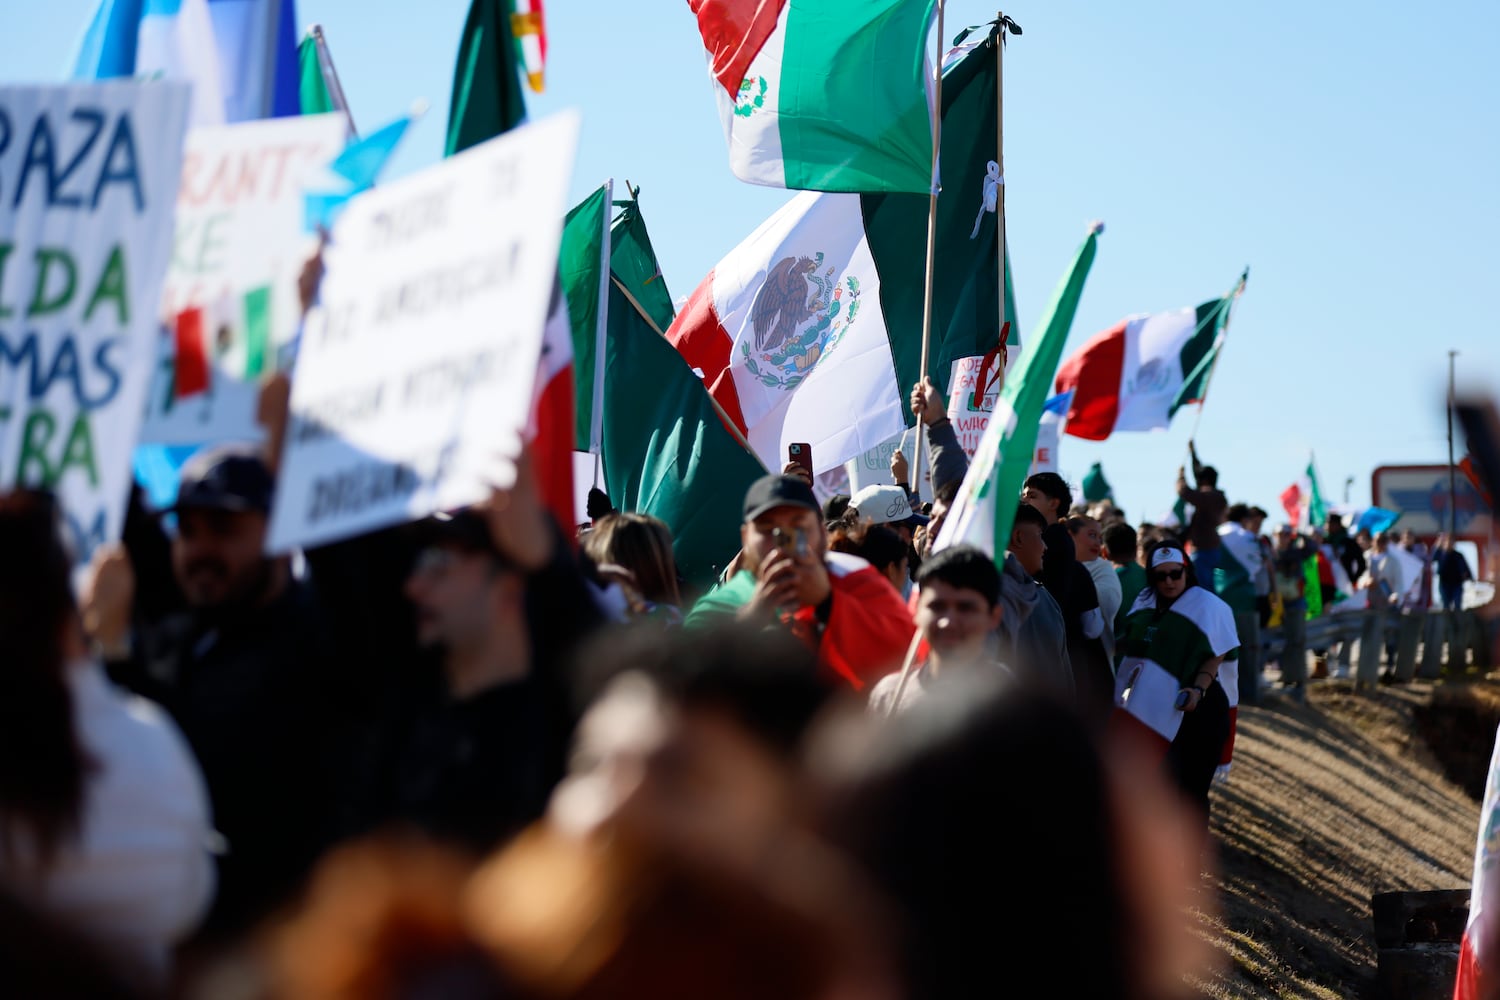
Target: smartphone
(800, 453)
(1182, 700)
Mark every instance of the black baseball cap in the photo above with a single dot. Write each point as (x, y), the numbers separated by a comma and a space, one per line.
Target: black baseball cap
(226, 477)
(770, 492)
(465, 528)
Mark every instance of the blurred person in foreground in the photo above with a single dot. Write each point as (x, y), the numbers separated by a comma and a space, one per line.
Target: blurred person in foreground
(1019, 857)
(671, 863)
(1173, 652)
(471, 746)
(785, 577)
(958, 612)
(104, 823)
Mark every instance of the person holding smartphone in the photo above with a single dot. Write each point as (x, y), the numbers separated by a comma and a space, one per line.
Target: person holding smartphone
(1176, 674)
(838, 604)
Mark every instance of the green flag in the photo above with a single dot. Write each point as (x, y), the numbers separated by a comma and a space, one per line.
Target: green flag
(666, 450)
(583, 268)
(1201, 352)
(985, 508)
(316, 97)
(1095, 486)
(1317, 510)
(486, 87)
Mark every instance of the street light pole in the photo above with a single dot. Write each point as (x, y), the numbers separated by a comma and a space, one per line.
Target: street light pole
(1452, 468)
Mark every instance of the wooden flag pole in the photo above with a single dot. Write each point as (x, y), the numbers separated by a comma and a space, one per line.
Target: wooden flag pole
(1004, 22)
(914, 474)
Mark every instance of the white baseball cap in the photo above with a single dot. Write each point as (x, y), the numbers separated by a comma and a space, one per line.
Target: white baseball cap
(885, 505)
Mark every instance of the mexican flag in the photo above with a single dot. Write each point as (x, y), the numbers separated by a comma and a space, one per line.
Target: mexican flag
(1136, 375)
(985, 508)
(1196, 628)
(810, 330)
(825, 95)
(666, 450)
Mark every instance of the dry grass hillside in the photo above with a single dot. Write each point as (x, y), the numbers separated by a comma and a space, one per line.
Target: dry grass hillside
(1328, 803)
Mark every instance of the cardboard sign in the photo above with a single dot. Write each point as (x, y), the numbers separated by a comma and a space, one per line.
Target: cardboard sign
(414, 378)
(88, 179)
(237, 252)
(873, 467)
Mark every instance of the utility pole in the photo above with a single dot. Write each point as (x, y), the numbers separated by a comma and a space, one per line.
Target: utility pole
(1452, 468)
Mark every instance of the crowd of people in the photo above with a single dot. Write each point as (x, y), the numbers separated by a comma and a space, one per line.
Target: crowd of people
(485, 756)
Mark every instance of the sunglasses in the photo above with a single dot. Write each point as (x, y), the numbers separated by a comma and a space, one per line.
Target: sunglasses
(1167, 574)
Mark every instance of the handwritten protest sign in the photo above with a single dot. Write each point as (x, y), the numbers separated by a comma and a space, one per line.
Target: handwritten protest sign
(88, 177)
(416, 374)
(969, 417)
(238, 249)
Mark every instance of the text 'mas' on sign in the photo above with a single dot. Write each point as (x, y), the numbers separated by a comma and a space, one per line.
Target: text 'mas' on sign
(414, 378)
(88, 180)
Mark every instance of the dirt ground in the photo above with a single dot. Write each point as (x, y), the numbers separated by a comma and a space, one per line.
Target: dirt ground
(1327, 803)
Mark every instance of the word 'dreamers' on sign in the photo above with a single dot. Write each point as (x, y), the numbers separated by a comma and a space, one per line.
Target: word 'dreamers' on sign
(88, 177)
(414, 378)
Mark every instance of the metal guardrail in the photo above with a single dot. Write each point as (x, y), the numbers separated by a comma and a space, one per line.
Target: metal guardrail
(1326, 630)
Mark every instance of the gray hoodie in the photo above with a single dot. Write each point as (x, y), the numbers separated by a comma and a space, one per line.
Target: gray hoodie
(1033, 639)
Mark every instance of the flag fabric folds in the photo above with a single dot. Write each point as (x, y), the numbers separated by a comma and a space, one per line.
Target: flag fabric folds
(487, 97)
(667, 451)
(985, 508)
(583, 268)
(1136, 375)
(824, 96)
(810, 330)
(240, 55)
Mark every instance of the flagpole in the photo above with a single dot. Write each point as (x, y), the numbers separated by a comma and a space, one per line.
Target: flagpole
(729, 424)
(914, 473)
(1004, 23)
(325, 54)
(1219, 342)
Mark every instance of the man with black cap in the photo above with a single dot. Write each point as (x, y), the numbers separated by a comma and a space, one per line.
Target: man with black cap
(248, 674)
(838, 604)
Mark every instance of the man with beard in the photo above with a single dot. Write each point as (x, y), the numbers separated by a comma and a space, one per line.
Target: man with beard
(248, 675)
(837, 604)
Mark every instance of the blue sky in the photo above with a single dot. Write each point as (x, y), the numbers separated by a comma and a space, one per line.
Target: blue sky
(1346, 152)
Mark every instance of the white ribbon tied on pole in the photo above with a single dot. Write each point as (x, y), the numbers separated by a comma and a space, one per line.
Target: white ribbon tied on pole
(992, 183)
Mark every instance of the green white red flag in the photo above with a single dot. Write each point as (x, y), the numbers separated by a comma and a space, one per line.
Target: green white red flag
(1137, 374)
(810, 330)
(985, 508)
(824, 95)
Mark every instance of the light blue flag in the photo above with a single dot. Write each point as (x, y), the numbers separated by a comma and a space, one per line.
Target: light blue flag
(359, 165)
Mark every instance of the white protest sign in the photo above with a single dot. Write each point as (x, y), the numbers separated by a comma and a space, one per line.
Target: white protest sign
(88, 178)
(414, 378)
(969, 420)
(238, 250)
(873, 467)
(1048, 433)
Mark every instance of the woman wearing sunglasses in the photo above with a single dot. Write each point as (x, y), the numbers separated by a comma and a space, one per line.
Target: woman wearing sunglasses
(1172, 674)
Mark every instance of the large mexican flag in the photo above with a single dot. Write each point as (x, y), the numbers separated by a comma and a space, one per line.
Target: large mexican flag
(810, 330)
(826, 95)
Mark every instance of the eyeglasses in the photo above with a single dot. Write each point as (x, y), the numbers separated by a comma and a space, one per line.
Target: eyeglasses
(1163, 575)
